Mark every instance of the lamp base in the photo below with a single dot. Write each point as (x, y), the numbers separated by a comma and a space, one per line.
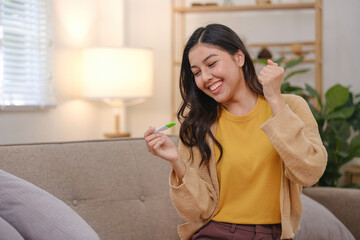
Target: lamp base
(117, 135)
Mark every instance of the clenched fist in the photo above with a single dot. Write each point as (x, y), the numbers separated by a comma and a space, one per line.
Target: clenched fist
(271, 77)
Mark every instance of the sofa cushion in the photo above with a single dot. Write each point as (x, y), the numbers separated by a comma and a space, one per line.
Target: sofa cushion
(317, 222)
(36, 214)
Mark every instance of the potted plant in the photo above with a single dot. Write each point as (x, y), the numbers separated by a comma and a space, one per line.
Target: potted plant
(338, 117)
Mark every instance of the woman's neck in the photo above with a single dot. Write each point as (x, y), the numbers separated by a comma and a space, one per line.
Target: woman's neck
(245, 102)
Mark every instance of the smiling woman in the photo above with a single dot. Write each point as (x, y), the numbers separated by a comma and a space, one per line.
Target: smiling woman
(241, 141)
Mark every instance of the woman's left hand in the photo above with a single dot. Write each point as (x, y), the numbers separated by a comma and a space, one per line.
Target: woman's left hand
(271, 77)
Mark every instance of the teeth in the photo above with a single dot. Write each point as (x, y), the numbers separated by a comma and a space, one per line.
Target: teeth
(215, 86)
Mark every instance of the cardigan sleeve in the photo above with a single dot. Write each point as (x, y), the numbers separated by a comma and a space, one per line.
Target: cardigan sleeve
(195, 197)
(295, 136)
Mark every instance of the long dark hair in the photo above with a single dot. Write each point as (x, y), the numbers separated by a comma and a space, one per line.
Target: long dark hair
(198, 112)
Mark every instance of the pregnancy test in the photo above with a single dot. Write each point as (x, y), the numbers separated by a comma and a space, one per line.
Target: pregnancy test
(166, 126)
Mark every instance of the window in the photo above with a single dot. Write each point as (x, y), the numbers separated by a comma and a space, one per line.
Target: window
(25, 64)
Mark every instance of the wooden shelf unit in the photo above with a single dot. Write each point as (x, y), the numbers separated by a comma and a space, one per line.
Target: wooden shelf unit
(179, 10)
(253, 7)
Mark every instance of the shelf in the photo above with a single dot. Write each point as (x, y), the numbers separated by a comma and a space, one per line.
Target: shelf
(310, 60)
(280, 44)
(233, 8)
(284, 44)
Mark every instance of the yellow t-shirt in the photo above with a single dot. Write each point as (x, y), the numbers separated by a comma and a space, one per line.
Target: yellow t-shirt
(249, 171)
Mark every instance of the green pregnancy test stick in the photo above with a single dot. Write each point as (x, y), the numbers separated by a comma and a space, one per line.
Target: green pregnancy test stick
(166, 126)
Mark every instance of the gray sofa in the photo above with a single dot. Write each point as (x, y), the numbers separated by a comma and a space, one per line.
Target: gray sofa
(122, 191)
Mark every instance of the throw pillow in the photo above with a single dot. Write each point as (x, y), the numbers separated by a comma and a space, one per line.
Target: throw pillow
(7, 232)
(38, 215)
(318, 223)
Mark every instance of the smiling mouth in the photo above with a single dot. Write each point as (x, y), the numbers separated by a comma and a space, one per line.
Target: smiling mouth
(215, 86)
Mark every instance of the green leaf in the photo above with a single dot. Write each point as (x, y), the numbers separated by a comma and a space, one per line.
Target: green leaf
(355, 146)
(279, 61)
(293, 63)
(316, 113)
(342, 154)
(295, 72)
(355, 119)
(342, 113)
(330, 176)
(337, 130)
(260, 60)
(336, 96)
(287, 88)
(284, 86)
(314, 93)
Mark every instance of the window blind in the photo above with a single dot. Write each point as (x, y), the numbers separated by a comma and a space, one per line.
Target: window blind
(25, 57)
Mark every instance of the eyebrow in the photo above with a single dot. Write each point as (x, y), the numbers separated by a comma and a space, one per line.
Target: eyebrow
(205, 59)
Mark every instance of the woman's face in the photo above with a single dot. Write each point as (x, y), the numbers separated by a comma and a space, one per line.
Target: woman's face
(217, 73)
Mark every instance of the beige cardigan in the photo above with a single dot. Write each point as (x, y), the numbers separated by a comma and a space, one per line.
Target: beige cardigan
(295, 136)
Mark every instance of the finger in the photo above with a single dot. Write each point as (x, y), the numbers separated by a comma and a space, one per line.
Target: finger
(261, 78)
(152, 143)
(150, 138)
(271, 72)
(263, 81)
(268, 69)
(265, 72)
(271, 63)
(149, 131)
(159, 143)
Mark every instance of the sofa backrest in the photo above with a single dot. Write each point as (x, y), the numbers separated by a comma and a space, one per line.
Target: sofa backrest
(116, 185)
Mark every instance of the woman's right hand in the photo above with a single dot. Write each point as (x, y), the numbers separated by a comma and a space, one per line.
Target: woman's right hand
(161, 145)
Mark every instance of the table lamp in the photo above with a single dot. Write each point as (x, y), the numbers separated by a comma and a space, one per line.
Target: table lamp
(119, 76)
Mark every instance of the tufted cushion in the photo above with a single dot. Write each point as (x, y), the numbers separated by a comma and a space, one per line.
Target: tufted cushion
(29, 212)
(317, 222)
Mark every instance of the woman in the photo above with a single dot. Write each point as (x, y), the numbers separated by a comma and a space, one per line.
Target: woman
(246, 150)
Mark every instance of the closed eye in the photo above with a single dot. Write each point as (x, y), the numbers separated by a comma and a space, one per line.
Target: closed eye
(212, 64)
(196, 73)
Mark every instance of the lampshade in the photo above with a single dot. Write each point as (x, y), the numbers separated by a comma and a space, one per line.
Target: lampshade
(117, 73)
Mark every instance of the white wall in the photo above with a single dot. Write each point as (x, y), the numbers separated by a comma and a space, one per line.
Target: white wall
(148, 24)
(341, 43)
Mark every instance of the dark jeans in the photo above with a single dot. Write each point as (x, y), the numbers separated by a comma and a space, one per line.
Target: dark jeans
(228, 231)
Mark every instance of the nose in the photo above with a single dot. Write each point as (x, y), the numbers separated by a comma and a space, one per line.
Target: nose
(206, 74)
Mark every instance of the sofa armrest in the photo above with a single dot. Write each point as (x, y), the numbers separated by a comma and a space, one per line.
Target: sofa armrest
(344, 203)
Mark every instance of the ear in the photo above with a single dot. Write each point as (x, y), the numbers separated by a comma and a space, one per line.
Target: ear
(239, 58)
